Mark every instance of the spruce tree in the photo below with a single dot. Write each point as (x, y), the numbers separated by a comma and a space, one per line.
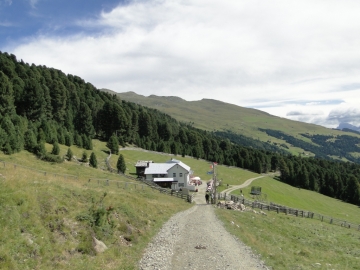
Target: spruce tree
(121, 166)
(56, 149)
(69, 154)
(93, 160)
(40, 150)
(113, 144)
(84, 157)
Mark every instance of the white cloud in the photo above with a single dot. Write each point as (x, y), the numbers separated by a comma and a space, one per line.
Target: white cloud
(234, 51)
(33, 3)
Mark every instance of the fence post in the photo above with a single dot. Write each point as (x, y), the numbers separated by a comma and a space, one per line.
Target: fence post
(331, 221)
(107, 182)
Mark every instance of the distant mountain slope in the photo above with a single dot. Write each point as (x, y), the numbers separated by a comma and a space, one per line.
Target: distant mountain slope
(214, 115)
(346, 126)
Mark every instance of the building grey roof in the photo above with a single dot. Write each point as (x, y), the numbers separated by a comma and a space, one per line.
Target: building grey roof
(180, 163)
(142, 163)
(162, 168)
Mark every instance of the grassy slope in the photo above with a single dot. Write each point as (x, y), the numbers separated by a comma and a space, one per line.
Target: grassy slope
(216, 115)
(34, 204)
(39, 229)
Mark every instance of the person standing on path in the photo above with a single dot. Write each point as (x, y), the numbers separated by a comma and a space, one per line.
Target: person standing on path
(207, 196)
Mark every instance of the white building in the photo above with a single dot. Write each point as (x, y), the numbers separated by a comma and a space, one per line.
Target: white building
(172, 174)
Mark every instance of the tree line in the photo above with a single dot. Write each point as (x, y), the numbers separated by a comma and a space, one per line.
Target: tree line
(40, 104)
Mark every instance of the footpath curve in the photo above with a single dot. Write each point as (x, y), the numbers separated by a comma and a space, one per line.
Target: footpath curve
(245, 184)
(196, 239)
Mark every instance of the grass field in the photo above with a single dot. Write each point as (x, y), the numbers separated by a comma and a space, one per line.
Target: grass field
(46, 219)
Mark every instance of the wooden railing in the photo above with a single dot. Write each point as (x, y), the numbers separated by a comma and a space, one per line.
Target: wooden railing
(287, 210)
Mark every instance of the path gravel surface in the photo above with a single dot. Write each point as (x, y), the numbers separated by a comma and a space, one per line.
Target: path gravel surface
(196, 239)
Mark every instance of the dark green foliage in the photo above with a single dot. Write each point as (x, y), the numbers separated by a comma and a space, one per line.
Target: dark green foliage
(6, 96)
(93, 160)
(56, 149)
(30, 140)
(120, 165)
(84, 121)
(68, 139)
(113, 144)
(69, 154)
(40, 150)
(78, 140)
(7, 149)
(84, 157)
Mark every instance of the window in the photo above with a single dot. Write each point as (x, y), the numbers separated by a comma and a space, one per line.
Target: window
(174, 174)
(181, 184)
(180, 174)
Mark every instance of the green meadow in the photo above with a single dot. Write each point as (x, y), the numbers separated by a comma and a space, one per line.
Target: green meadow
(48, 220)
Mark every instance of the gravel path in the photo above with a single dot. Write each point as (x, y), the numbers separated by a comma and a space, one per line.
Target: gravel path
(196, 239)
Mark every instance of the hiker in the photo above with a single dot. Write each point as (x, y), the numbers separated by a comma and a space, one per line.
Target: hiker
(207, 197)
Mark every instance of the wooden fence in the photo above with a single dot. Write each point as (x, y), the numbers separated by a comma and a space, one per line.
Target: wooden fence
(106, 182)
(287, 210)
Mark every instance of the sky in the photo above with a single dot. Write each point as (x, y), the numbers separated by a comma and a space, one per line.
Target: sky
(294, 59)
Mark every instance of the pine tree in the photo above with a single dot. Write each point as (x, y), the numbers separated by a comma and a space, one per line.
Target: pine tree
(68, 139)
(84, 157)
(40, 150)
(121, 166)
(113, 144)
(56, 149)
(69, 154)
(93, 160)
(7, 96)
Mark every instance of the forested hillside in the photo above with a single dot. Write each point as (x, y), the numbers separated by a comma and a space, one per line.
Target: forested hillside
(40, 104)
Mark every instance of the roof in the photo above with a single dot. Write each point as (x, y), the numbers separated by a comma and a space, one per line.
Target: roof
(158, 168)
(180, 163)
(164, 180)
(143, 163)
(162, 168)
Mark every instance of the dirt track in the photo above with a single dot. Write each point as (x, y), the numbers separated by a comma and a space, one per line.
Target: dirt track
(196, 239)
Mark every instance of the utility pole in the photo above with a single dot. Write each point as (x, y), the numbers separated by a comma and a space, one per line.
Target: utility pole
(214, 181)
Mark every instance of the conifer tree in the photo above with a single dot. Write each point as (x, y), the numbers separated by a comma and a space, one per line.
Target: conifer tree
(69, 154)
(68, 139)
(40, 150)
(93, 160)
(113, 144)
(121, 166)
(56, 149)
(84, 157)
